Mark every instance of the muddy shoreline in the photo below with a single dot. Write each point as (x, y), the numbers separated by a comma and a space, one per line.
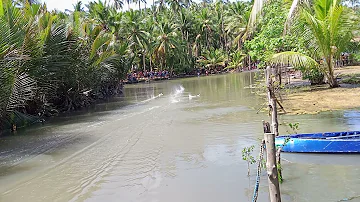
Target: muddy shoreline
(306, 99)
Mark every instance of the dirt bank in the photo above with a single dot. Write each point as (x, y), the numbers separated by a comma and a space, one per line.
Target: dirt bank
(315, 99)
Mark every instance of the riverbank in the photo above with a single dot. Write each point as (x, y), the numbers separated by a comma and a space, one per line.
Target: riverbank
(182, 76)
(307, 99)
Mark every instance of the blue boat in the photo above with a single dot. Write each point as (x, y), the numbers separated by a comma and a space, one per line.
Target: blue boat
(332, 142)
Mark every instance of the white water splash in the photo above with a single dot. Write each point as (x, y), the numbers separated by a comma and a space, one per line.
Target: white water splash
(176, 96)
(179, 90)
(193, 96)
(152, 98)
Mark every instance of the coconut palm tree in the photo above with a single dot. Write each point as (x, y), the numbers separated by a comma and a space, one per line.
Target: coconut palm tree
(207, 26)
(237, 60)
(166, 42)
(118, 4)
(236, 20)
(213, 58)
(328, 24)
(78, 6)
(135, 34)
(185, 24)
(17, 86)
(100, 12)
(175, 5)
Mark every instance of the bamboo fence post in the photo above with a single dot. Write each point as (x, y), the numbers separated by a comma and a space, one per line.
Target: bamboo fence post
(274, 188)
(273, 156)
(272, 101)
(273, 111)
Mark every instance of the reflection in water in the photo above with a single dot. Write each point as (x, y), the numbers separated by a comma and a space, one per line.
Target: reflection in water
(160, 143)
(352, 119)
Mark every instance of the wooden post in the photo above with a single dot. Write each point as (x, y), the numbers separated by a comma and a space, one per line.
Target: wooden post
(272, 101)
(266, 127)
(273, 156)
(274, 188)
(274, 120)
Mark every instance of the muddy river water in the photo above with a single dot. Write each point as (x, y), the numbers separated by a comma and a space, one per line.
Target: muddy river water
(173, 141)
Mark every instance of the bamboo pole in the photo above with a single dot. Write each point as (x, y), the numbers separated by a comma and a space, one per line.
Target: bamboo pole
(272, 101)
(273, 111)
(274, 188)
(273, 156)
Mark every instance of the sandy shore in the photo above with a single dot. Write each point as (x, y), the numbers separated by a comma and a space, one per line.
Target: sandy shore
(315, 99)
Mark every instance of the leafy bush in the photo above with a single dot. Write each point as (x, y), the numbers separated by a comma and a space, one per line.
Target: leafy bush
(313, 74)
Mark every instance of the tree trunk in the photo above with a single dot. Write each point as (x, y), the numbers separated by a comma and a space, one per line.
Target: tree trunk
(239, 44)
(331, 79)
(151, 69)
(207, 41)
(164, 63)
(223, 34)
(188, 44)
(144, 62)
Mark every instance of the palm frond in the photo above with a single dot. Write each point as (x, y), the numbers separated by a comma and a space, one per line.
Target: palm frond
(290, 15)
(100, 41)
(293, 58)
(1, 8)
(255, 12)
(23, 89)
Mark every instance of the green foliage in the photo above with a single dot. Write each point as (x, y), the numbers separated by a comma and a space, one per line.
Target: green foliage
(294, 127)
(328, 27)
(212, 58)
(237, 60)
(354, 79)
(315, 75)
(247, 156)
(45, 60)
(356, 56)
(269, 38)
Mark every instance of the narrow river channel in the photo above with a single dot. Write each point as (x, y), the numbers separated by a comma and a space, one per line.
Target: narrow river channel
(173, 141)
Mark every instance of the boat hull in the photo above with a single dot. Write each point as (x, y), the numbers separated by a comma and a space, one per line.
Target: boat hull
(338, 142)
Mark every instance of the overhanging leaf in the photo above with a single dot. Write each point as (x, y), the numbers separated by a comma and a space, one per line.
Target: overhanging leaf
(293, 58)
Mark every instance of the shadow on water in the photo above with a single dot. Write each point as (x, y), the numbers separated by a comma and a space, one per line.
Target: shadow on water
(67, 128)
(133, 96)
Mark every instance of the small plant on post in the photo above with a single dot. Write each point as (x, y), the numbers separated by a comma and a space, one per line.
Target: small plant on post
(294, 127)
(247, 156)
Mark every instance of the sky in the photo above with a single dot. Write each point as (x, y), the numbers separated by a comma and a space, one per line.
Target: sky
(61, 5)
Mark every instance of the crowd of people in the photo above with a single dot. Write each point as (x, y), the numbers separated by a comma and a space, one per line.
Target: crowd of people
(136, 76)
